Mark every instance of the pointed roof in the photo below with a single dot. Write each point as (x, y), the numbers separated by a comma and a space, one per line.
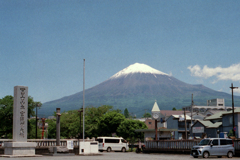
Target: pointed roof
(155, 107)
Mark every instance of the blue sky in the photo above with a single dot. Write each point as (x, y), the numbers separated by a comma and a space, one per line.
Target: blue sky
(43, 43)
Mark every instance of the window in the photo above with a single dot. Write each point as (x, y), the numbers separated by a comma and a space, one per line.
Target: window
(149, 122)
(123, 141)
(111, 140)
(229, 141)
(230, 120)
(100, 140)
(223, 142)
(215, 142)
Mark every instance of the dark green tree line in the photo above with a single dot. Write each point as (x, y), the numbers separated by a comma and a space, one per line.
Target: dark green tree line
(6, 115)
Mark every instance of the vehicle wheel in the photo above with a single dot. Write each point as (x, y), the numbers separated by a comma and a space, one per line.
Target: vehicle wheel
(230, 154)
(138, 150)
(109, 149)
(195, 156)
(205, 155)
(123, 149)
(219, 156)
(101, 151)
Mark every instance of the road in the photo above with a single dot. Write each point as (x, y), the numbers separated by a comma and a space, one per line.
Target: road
(119, 156)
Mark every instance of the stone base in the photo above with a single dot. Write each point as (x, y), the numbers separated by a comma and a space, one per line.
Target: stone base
(19, 148)
(58, 149)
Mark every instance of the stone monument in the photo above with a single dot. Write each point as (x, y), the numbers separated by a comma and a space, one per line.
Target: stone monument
(19, 146)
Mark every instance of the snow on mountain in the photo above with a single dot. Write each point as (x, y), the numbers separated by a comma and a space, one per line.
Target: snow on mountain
(137, 68)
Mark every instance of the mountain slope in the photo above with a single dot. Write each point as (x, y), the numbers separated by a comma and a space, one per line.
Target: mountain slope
(136, 88)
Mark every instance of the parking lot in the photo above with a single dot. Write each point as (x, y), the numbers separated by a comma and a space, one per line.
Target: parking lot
(118, 156)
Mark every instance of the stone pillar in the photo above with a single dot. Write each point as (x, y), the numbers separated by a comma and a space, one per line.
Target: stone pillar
(19, 146)
(58, 127)
(20, 114)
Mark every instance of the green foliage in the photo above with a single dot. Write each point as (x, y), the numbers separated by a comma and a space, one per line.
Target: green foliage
(230, 133)
(92, 119)
(51, 128)
(174, 109)
(6, 114)
(70, 125)
(147, 115)
(32, 129)
(126, 113)
(101, 121)
(109, 123)
(127, 129)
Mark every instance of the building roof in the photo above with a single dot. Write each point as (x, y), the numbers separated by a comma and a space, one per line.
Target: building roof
(216, 115)
(168, 113)
(155, 107)
(182, 116)
(209, 124)
(236, 110)
(153, 130)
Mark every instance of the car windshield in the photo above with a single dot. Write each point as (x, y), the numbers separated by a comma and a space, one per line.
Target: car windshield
(204, 142)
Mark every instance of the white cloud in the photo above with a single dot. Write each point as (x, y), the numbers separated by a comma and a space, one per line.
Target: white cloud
(230, 73)
(236, 90)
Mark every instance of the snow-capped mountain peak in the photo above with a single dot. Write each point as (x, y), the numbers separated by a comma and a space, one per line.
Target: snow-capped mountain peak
(137, 68)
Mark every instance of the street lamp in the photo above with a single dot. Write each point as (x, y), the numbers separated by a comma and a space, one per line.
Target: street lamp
(233, 109)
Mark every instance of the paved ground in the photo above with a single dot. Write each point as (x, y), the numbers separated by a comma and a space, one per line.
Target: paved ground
(118, 156)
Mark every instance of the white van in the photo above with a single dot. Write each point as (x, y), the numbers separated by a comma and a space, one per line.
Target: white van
(112, 144)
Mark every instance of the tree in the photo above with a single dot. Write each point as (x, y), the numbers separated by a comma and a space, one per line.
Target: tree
(174, 109)
(93, 116)
(147, 115)
(52, 128)
(70, 122)
(109, 123)
(32, 129)
(127, 129)
(6, 114)
(126, 113)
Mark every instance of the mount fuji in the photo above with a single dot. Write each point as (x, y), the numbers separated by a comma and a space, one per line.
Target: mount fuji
(136, 88)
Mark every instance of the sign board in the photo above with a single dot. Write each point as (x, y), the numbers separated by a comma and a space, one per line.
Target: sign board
(235, 129)
(198, 129)
(70, 145)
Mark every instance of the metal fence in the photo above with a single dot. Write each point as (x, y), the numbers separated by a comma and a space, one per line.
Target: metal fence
(49, 142)
(181, 145)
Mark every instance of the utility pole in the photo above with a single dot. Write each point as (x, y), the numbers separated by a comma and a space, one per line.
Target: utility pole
(156, 138)
(185, 123)
(233, 108)
(191, 114)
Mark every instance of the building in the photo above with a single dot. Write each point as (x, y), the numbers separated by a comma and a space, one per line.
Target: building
(177, 122)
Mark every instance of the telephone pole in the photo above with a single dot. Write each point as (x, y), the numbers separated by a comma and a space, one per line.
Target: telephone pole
(233, 109)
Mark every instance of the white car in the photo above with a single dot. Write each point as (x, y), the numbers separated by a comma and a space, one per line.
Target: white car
(112, 144)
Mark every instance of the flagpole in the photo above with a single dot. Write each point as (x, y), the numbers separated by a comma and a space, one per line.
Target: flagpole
(83, 95)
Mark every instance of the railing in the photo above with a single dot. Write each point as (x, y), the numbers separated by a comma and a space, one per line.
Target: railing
(171, 144)
(49, 142)
(181, 145)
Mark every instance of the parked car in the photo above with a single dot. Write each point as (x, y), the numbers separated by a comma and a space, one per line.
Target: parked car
(112, 144)
(214, 147)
